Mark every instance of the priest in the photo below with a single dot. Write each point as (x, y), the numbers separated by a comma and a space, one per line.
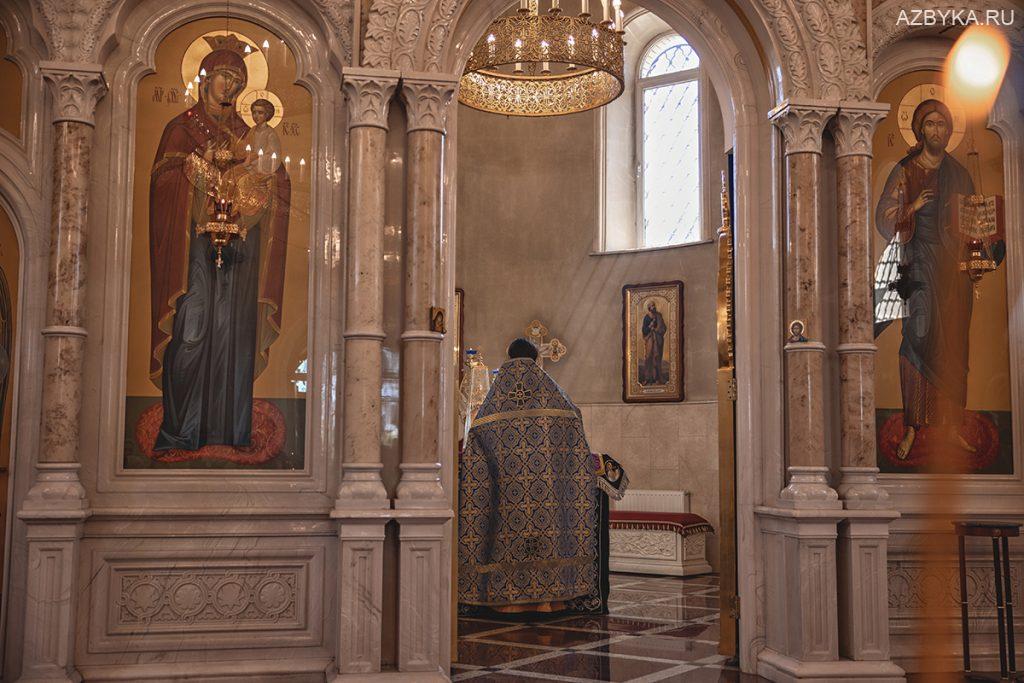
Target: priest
(531, 539)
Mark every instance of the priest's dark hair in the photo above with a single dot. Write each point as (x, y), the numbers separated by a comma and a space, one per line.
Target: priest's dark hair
(522, 348)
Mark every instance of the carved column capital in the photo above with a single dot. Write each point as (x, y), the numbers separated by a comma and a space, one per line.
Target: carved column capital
(77, 87)
(854, 126)
(368, 94)
(802, 124)
(427, 101)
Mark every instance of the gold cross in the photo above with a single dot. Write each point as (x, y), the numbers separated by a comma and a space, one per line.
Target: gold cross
(553, 349)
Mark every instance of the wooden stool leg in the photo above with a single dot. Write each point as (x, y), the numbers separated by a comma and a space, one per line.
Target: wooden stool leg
(1000, 608)
(963, 608)
(1008, 583)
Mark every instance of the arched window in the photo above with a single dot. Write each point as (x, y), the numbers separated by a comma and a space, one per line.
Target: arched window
(668, 144)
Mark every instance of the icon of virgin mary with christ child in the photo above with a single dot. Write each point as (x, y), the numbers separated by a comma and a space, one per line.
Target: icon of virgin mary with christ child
(215, 316)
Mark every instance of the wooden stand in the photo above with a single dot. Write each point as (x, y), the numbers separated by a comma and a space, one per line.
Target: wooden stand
(998, 532)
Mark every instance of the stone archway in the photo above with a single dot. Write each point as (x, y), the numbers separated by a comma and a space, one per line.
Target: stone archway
(735, 68)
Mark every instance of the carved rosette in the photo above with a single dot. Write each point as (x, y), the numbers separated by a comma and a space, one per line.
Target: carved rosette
(76, 90)
(855, 125)
(367, 95)
(802, 125)
(427, 102)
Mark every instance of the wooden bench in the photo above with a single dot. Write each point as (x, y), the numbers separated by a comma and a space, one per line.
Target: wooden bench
(654, 532)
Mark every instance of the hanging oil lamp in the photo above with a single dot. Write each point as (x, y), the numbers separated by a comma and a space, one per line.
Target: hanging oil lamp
(221, 229)
(979, 217)
(976, 262)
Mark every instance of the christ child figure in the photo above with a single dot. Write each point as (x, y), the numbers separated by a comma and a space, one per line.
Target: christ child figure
(263, 147)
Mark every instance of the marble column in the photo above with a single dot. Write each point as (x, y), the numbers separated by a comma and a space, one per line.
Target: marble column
(802, 125)
(56, 506)
(367, 94)
(426, 104)
(864, 535)
(853, 129)
(424, 611)
(362, 507)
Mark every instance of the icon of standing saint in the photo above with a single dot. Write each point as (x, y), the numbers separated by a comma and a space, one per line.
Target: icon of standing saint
(917, 213)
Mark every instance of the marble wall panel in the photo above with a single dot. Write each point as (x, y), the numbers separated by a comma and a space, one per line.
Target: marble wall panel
(193, 599)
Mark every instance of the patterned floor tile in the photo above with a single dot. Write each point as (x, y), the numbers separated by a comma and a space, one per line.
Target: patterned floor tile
(698, 630)
(469, 627)
(664, 612)
(546, 636)
(712, 675)
(596, 667)
(489, 654)
(661, 647)
(608, 623)
(503, 677)
(659, 629)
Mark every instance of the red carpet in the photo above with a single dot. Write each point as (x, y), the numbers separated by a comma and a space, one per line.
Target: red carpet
(267, 438)
(978, 430)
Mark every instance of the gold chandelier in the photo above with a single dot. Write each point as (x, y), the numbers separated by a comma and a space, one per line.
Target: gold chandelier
(533, 64)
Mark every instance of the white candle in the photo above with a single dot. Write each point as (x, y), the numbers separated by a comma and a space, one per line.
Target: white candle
(584, 8)
(604, 7)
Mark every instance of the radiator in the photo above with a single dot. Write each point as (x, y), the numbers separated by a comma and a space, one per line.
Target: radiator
(654, 501)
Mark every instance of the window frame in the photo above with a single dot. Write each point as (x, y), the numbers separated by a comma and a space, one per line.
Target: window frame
(641, 84)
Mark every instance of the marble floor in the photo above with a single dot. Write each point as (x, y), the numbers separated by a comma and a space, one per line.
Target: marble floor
(660, 629)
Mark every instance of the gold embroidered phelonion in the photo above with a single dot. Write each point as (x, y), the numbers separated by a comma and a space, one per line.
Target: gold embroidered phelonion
(544, 65)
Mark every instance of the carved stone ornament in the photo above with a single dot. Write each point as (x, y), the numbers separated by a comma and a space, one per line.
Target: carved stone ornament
(802, 125)
(217, 599)
(408, 34)
(781, 19)
(72, 29)
(76, 90)
(855, 125)
(893, 20)
(427, 102)
(338, 14)
(912, 585)
(367, 95)
(650, 544)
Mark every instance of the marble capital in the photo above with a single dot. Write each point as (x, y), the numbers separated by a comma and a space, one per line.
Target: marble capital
(427, 101)
(368, 94)
(76, 88)
(854, 126)
(802, 123)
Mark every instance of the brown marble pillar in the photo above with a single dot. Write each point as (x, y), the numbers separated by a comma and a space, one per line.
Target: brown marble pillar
(56, 505)
(853, 130)
(802, 125)
(426, 103)
(368, 94)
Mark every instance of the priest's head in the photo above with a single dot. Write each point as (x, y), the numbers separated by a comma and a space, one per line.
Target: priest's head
(522, 348)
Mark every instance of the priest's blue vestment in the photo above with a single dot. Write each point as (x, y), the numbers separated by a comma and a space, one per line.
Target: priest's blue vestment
(530, 538)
